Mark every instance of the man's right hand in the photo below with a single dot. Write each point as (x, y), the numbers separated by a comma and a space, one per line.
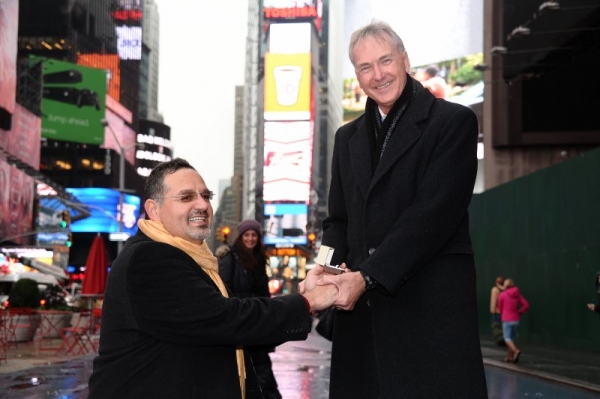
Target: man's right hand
(311, 279)
(321, 297)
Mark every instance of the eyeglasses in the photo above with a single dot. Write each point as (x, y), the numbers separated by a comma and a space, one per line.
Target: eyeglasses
(191, 196)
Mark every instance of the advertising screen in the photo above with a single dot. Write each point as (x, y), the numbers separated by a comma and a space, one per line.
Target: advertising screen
(104, 211)
(108, 62)
(285, 223)
(73, 102)
(129, 42)
(292, 10)
(125, 134)
(16, 203)
(287, 86)
(127, 11)
(23, 139)
(288, 160)
(9, 21)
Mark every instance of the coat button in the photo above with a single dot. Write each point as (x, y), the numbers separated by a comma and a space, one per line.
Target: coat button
(368, 302)
(371, 250)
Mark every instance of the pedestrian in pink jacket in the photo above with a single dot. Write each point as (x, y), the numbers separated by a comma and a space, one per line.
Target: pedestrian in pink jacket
(511, 305)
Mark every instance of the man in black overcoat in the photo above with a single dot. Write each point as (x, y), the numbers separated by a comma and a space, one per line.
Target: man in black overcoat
(169, 329)
(402, 179)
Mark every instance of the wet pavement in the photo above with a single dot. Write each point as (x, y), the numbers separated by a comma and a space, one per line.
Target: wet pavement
(302, 372)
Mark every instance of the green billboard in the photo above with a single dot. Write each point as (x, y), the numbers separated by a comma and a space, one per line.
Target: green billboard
(73, 103)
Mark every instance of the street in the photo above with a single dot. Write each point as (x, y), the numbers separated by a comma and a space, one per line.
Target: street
(301, 369)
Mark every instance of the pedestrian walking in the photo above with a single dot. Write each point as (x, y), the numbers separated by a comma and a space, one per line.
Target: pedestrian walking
(402, 177)
(496, 320)
(244, 271)
(511, 305)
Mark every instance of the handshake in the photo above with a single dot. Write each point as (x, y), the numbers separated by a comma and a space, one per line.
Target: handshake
(326, 285)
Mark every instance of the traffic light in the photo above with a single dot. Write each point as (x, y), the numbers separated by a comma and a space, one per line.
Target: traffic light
(311, 237)
(65, 219)
(225, 230)
(69, 241)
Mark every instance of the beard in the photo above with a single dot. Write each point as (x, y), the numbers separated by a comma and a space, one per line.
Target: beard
(199, 234)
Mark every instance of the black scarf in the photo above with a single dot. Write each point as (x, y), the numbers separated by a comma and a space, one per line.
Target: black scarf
(380, 131)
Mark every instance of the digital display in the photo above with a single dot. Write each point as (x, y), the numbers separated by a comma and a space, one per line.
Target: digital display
(104, 211)
(129, 42)
(285, 223)
(288, 161)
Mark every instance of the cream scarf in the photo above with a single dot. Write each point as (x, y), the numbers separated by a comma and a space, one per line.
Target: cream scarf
(206, 260)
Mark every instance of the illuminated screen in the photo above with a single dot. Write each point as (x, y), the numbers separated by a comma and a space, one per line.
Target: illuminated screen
(129, 42)
(287, 162)
(109, 62)
(104, 211)
(285, 223)
(287, 86)
(74, 101)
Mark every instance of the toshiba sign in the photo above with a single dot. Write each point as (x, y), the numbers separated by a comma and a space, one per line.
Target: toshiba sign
(293, 12)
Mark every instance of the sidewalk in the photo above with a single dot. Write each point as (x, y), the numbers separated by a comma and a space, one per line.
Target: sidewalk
(24, 356)
(568, 366)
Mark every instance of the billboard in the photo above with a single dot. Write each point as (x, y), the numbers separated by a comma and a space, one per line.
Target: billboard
(9, 21)
(287, 86)
(127, 11)
(16, 203)
(104, 211)
(23, 139)
(108, 62)
(285, 223)
(125, 134)
(129, 42)
(287, 161)
(290, 10)
(73, 102)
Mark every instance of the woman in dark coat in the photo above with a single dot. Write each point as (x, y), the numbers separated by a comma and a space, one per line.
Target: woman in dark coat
(243, 271)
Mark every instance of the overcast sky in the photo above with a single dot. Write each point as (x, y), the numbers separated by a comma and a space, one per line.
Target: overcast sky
(202, 59)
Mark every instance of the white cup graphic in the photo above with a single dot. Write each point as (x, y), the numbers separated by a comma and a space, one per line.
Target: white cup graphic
(287, 83)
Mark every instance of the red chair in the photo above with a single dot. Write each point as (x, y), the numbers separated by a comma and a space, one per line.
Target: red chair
(76, 338)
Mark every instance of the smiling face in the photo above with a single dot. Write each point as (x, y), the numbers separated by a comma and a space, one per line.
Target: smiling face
(185, 210)
(381, 70)
(250, 239)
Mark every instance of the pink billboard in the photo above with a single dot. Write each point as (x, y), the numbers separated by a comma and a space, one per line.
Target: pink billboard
(16, 203)
(288, 161)
(125, 134)
(23, 140)
(9, 24)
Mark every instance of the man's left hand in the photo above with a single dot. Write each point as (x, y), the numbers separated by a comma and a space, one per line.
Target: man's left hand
(351, 286)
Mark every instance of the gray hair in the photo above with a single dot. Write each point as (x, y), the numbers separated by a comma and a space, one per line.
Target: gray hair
(379, 30)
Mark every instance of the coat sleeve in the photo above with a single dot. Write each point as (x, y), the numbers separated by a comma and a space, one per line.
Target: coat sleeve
(174, 300)
(440, 204)
(335, 225)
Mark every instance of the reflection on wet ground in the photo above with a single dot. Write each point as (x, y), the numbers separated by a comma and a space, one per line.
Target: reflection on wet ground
(301, 368)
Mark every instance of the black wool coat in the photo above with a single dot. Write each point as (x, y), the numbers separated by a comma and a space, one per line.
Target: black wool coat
(167, 332)
(406, 225)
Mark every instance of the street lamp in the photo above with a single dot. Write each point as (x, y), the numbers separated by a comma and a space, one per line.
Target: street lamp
(123, 151)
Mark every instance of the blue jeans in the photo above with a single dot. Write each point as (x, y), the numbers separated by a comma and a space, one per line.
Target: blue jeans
(509, 329)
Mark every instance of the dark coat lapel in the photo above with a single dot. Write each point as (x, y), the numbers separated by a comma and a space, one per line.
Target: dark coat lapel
(360, 157)
(405, 135)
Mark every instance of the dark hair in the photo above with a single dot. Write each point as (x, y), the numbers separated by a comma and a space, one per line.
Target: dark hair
(432, 70)
(251, 259)
(376, 29)
(154, 187)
